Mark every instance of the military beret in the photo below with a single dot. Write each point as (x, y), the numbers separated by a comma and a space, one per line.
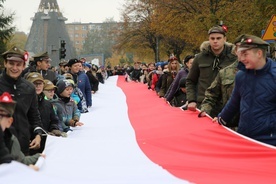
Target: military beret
(7, 105)
(34, 76)
(72, 61)
(15, 54)
(216, 29)
(41, 56)
(251, 41)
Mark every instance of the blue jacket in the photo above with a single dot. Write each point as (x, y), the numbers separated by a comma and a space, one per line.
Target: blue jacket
(175, 85)
(65, 109)
(82, 81)
(254, 96)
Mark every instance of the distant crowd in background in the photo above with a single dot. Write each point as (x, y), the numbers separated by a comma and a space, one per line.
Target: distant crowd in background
(233, 83)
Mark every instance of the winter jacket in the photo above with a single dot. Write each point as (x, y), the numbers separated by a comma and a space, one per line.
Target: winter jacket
(167, 80)
(82, 82)
(219, 92)
(175, 85)
(94, 83)
(203, 72)
(48, 116)
(135, 74)
(27, 123)
(66, 110)
(254, 96)
(46, 74)
(5, 156)
(13, 146)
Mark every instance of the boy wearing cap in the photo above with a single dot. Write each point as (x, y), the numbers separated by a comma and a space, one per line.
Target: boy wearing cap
(47, 114)
(27, 120)
(48, 117)
(215, 54)
(67, 110)
(49, 89)
(254, 94)
(7, 107)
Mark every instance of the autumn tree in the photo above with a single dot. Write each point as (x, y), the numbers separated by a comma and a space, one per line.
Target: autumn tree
(101, 40)
(189, 21)
(137, 32)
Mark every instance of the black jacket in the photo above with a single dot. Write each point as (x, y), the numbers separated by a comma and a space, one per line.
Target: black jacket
(94, 83)
(47, 113)
(5, 156)
(27, 120)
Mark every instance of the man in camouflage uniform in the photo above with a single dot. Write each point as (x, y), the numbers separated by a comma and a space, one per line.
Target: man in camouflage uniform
(221, 88)
(215, 54)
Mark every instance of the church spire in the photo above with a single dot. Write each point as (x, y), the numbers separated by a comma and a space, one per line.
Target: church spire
(47, 6)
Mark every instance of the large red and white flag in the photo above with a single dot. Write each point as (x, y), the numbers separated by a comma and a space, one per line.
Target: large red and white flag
(132, 136)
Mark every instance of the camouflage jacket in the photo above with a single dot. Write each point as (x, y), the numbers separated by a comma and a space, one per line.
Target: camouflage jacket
(220, 90)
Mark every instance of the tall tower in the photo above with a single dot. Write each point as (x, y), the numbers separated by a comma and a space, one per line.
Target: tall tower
(48, 31)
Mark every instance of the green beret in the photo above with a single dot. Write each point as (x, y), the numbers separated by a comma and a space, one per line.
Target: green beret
(251, 41)
(15, 54)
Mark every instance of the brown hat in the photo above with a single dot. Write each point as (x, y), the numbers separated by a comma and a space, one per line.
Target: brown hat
(34, 76)
(251, 41)
(15, 54)
(217, 29)
(7, 105)
(41, 57)
(63, 62)
(68, 76)
(48, 85)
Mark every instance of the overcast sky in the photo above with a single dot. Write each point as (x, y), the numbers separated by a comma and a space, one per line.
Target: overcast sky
(85, 11)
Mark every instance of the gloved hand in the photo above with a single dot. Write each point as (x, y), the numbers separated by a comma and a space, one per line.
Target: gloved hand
(71, 122)
(56, 132)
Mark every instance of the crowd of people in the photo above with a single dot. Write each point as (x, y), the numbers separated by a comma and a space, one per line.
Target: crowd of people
(36, 102)
(233, 83)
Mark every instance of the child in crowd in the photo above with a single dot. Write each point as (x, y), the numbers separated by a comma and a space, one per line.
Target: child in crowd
(7, 106)
(67, 110)
(48, 117)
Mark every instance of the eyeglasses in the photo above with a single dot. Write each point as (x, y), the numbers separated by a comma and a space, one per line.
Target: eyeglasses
(5, 115)
(38, 83)
(50, 90)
